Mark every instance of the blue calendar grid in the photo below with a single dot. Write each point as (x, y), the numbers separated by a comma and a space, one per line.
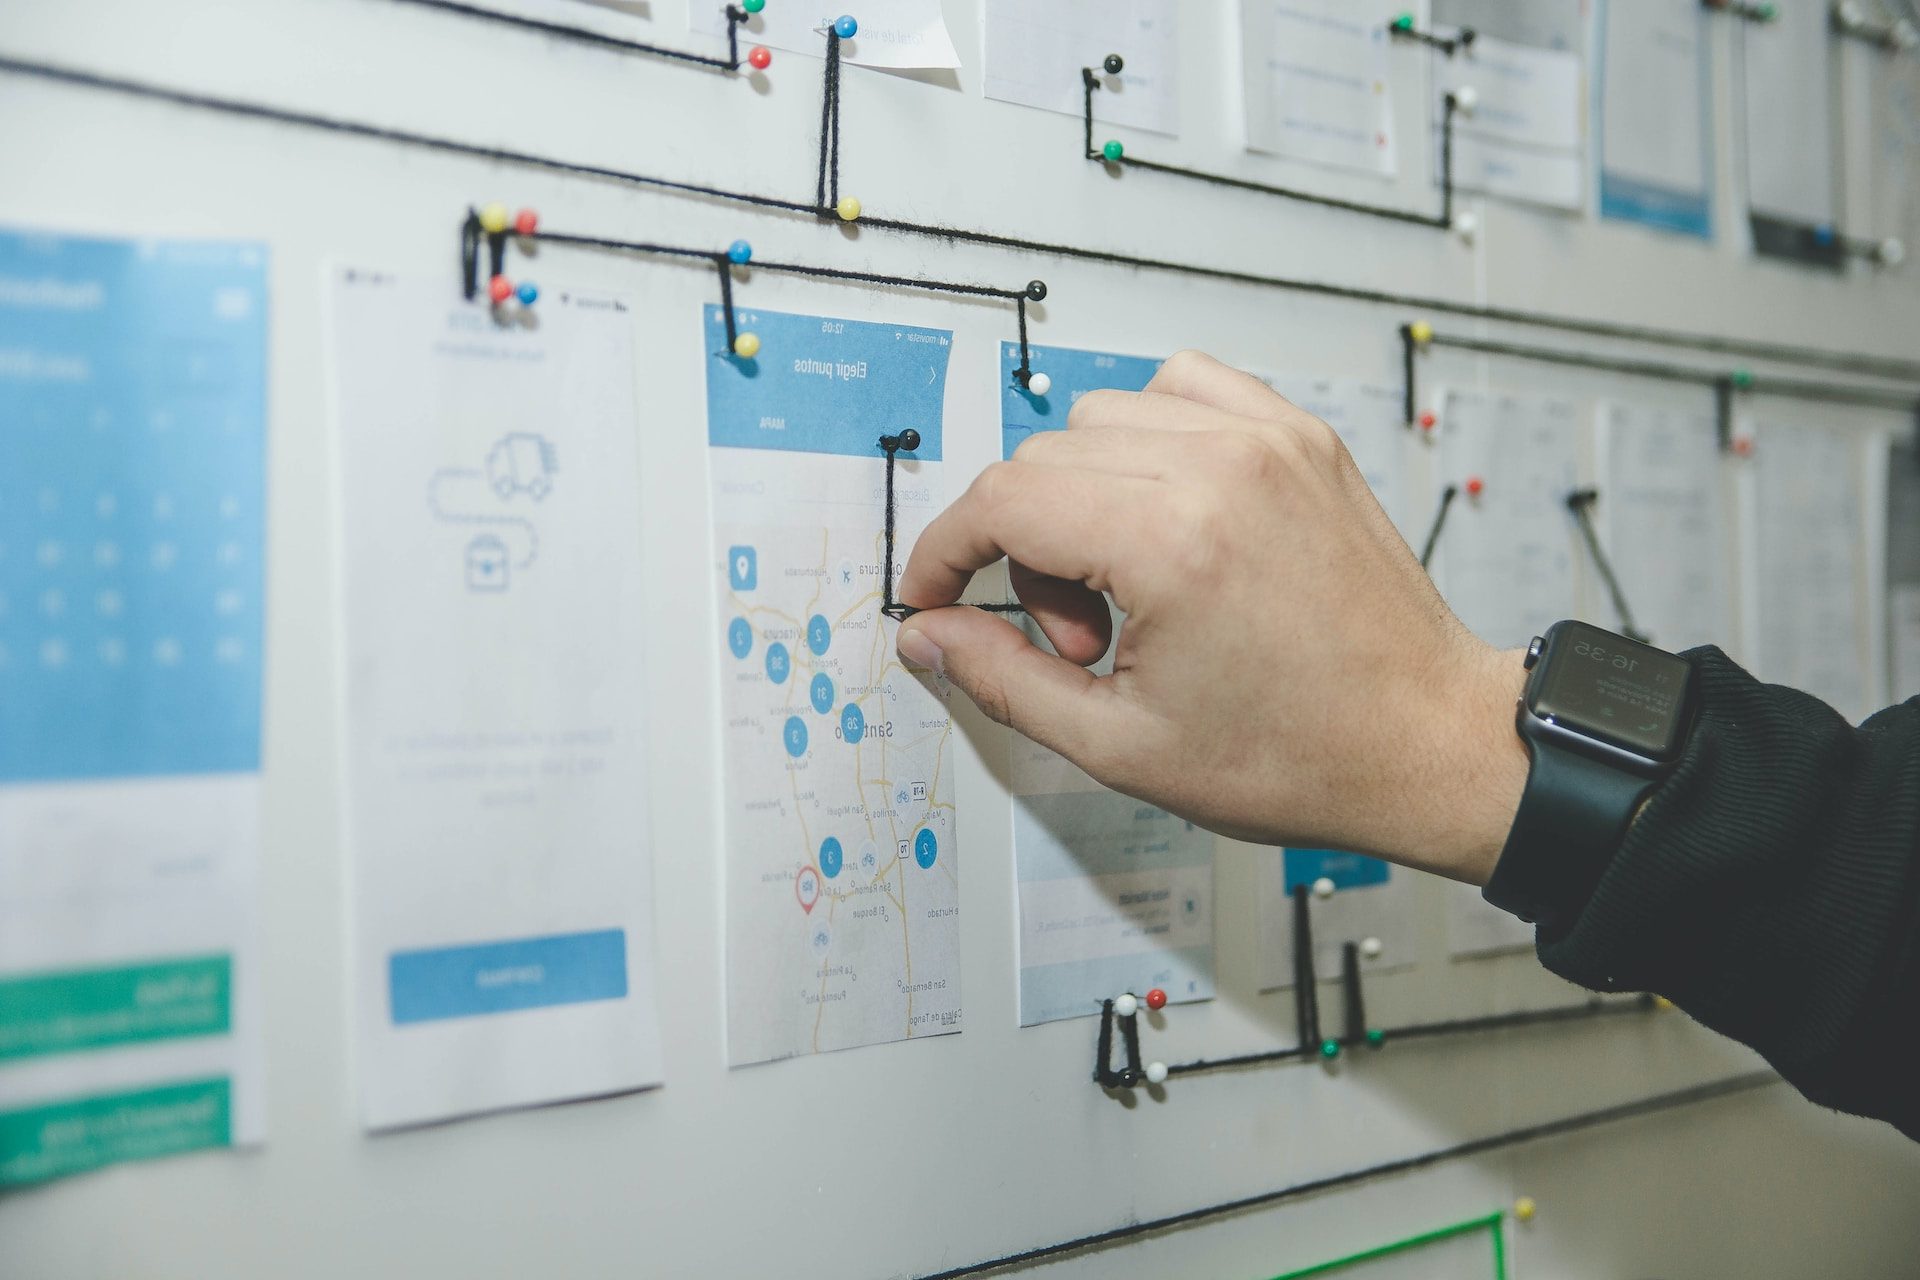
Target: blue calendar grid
(132, 507)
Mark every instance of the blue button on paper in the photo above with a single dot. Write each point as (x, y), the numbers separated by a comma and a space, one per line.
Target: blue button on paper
(500, 977)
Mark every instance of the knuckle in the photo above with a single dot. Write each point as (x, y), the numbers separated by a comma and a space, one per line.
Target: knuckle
(1034, 447)
(994, 487)
(1092, 407)
(1247, 457)
(1186, 366)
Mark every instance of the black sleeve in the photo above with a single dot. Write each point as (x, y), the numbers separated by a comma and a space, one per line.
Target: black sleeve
(1768, 888)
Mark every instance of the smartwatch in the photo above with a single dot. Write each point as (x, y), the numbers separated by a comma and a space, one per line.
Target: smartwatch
(1605, 720)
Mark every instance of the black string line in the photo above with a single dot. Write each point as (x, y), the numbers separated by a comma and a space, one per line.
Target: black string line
(827, 191)
(1751, 10)
(1353, 1002)
(892, 446)
(1459, 40)
(1447, 495)
(1306, 985)
(1690, 1096)
(1444, 219)
(1580, 502)
(586, 35)
(1785, 353)
(1895, 36)
(1722, 383)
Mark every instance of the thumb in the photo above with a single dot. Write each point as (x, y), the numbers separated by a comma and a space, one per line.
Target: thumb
(1044, 696)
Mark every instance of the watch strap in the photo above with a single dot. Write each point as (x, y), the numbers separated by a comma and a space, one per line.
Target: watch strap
(1572, 819)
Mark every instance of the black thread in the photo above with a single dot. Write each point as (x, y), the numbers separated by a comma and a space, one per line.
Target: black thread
(1443, 219)
(586, 35)
(723, 267)
(833, 79)
(1306, 994)
(1133, 1072)
(1353, 1002)
(829, 127)
(1461, 39)
(1872, 366)
(1885, 36)
(470, 255)
(890, 446)
(1747, 9)
(1690, 1096)
(1580, 502)
(1103, 1049)
(1447, 495)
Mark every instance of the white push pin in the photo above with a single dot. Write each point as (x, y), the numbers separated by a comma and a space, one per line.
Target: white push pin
(1156, 1073)
(1039, 384)
(1126, 1005)
(1466, 99)
(1904, 34)
(1849, 14)
(1892, 252)
(1323, 887)
(1466, 225)
(1370, 948)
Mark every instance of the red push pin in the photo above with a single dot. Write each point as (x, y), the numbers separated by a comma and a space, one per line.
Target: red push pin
(760, 57)
(1743, 446)
(526, 222)
(499, 288)
(1156, 999)
(1475, 486)
(1429, 420)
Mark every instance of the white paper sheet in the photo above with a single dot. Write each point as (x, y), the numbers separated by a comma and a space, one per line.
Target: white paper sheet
(132, 523)
(1786, 71)
(1903, 620)
(1317, 81)
(1663, 519)
(1035, 52)
(902, 35)
(1809, 564)
(495, 711)
(1368, 417)
(1506, 559)
(1524, 139)
(1371, 900)
(1656, 147)
(1540, 24)
(842, 859)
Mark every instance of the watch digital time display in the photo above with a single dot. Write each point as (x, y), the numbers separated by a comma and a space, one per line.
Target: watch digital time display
(1608, 687)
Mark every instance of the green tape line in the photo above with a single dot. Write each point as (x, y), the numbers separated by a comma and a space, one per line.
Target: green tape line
(1489, 1222)
(67, 1012)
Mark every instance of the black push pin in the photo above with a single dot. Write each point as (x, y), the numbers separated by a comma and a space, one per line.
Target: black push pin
(906, 442)
(1036, 291)
(1114, 64)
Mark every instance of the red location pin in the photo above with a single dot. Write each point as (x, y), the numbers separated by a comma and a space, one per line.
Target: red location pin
(1156, 999)
(806, 887)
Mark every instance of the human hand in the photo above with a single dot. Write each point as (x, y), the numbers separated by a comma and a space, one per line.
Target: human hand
(1286, 672)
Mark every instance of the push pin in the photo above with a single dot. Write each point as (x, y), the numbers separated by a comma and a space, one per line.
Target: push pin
(526, 222)
(1466, 100)
(1156, 1073)
(1849, 15)
(1036, 291)
(848, 208)
(500, 289)
(747, 346)
(1903, 35)
(1743, 446)
(908, 440)
(1126, 1004)
(739, 253)
(1112, 151)
(1403, 22)
(1890, 252)
(1114, 64)
(1421, 332)
(1466, 225)
(1156, 999)
(1524, 1208)
(1429, 420)
(493, 218)
(846, 27)
(759, 57)
(1329, 1048)
(528, 293)
(753, 6)
(1742, 379)
(1323, 888)
(1035, 383)
(1475, 486)
(1663, 1004)
(1376, 1038)
(1372, 948)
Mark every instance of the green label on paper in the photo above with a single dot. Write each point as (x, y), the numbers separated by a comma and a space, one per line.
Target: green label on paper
(59, 1138)
(46, 1013)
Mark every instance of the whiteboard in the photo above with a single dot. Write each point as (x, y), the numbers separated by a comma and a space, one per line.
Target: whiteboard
(907, 1158)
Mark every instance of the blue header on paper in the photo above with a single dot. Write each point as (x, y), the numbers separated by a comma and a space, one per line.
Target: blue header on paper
(132, 506)
(1074, 373)
(821, 385)
(1346, 870)
(502, 977)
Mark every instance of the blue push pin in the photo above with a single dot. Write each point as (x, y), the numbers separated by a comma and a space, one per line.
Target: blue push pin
(1823, 235)
(845, 27)
(740, 253)
(528, 293)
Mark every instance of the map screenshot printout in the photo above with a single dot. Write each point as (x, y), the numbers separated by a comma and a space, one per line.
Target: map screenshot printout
(842, 864)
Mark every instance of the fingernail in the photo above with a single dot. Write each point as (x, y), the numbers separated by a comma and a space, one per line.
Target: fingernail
(917, 647)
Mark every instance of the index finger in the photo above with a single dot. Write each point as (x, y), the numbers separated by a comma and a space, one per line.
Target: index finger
(1196, 376)
(1057, 521)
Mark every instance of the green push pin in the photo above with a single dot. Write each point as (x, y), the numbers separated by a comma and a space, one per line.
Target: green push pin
(1113, 151)
(1329, 1049)
(1403, 23)
(753, 6)
(1768, 12)
(1742, 378)
(1375, 1038)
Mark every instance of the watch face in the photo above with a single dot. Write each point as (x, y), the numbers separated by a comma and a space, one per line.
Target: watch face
(1609, 687)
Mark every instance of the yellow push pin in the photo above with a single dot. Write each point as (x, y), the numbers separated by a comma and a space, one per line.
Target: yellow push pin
(1421, 332)
(493, 218)
(848, 209)
(1524, 1208)
(747, 346)
(1663, 1004)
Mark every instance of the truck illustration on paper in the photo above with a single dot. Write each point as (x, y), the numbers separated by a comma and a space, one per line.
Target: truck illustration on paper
(521, 462)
